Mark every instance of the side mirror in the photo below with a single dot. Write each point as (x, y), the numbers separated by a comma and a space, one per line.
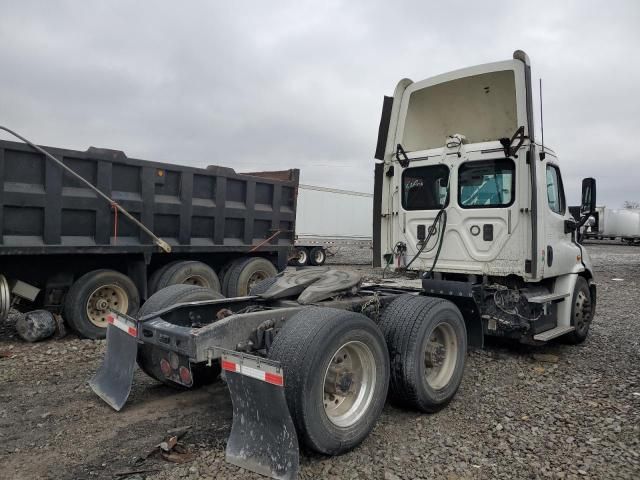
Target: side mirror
(588, 204)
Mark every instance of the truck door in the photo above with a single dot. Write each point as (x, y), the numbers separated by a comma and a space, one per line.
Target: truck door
(560, 253)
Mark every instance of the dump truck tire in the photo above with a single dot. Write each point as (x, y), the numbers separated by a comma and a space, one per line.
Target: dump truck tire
(152, 283)
(262, 286)
(87, 301)
(427, 342)
(317, 256)
(336, 376)
(248, 273)
(189, 272)
(582, 312)
(225, 274)
(201, 373)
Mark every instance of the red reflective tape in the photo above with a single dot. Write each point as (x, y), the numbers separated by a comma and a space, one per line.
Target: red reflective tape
(133, 331)
(110, 319)
(274, 379)
(227, 365)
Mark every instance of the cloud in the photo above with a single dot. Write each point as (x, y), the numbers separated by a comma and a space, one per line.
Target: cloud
(268, 85)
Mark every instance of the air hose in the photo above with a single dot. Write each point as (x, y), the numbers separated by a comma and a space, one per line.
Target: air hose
(442, 214)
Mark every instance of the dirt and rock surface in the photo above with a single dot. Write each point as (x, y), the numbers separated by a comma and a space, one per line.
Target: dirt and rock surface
(557, 411)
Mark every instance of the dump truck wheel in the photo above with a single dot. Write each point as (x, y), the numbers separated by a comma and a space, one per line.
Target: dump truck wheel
(152, 283)
(300, 257)
(336, 376)
(262, 286)
(317, 256)
(224, 274)
(89, 299)
(582, 311)
(244, 275)
(189, 272)
(149, 355)
(427, 343)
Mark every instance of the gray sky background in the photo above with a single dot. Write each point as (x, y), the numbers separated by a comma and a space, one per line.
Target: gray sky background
(276, 85)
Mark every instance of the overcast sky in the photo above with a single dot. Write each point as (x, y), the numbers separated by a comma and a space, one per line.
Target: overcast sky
(276, 85)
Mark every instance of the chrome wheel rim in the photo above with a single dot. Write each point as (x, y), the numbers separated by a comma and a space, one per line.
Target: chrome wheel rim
(104, 299)
(440, 356)
(5, 298)
(318, 256)
(349, 383)
(582, 312)
(302, 257)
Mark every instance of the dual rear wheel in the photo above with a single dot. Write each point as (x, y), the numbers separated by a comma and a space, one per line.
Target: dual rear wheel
(95, 294)
(303, 256)
(339, 366)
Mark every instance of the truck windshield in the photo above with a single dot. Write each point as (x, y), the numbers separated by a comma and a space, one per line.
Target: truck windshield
(486, 184)
(425, 188)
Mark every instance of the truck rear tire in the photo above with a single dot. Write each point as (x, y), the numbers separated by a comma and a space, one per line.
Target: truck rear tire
(300, 257)
(317, 256)
(148, 355)
(427, 341)
(336, 370)
(189, 272)
(582, 311)
(246, 274)
(87, 301)
(263, 285)
(152, 283)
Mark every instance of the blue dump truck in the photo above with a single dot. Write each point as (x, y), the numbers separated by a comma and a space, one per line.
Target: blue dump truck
(85, 232)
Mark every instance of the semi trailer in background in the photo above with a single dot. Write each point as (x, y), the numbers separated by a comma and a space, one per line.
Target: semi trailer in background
(612, 224)
(65, 249)
(327, 219)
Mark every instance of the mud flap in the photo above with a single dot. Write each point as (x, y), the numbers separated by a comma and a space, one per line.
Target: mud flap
(263, 438)
(112, 381)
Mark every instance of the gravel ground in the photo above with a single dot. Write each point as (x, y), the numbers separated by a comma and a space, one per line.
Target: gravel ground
(556, 411)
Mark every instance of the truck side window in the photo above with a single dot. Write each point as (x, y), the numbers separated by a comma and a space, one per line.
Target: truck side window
(486, 184)
(555, 192)
(425, 188)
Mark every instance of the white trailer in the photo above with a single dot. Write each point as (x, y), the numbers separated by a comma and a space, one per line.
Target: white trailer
(623, 223)
(328, 218)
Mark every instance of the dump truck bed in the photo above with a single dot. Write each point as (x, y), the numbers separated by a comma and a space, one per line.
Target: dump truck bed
(44, 210)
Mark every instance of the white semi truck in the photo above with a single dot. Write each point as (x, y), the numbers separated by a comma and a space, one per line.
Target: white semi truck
(328, 219)
(464, 194)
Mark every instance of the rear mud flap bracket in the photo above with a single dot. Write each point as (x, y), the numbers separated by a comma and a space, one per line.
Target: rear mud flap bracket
(263, 438)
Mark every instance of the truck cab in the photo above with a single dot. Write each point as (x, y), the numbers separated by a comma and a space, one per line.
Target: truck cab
(465, 193)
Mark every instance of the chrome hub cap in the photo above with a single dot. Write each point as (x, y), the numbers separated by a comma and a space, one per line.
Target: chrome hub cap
(349, 383)
(582, 312)
(440, 356)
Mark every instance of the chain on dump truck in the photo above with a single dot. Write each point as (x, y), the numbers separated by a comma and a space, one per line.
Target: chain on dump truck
(466, 196)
